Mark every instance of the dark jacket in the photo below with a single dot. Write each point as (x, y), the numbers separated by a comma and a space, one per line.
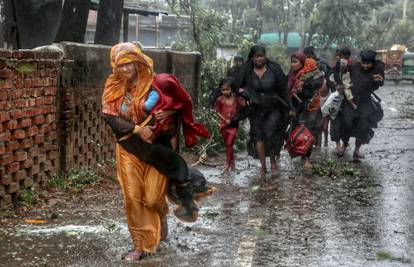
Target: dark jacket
(278, 95)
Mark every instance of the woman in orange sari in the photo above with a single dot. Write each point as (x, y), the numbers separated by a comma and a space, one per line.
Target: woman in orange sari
(143, 186)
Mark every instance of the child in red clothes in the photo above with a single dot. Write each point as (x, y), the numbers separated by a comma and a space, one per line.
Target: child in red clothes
(227, 106)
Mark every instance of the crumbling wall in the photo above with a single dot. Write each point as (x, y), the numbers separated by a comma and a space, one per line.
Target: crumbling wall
(28, 132)
(50, 105)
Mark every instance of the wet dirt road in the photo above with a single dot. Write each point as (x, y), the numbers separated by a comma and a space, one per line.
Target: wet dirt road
(362, 218)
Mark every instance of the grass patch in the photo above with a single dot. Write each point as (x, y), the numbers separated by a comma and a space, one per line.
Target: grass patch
(29, 197)
(333, 169)
(260, 233)
(384, 255)
(25, 68)
(74, 180)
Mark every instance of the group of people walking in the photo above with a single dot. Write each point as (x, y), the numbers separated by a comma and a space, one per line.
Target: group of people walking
(146, 112)
(276, 104)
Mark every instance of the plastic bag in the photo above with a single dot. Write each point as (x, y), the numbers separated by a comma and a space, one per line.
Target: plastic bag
(332, 105)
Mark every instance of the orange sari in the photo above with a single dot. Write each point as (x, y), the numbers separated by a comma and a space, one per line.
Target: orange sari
(143, 187)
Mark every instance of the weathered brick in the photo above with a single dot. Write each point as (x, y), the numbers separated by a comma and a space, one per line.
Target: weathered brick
(6, 84)
(7, 158)
(20, 155)
(2, 191)
(6, 74)
(13, 188)
(27, 163)
(40, 101)
(6, 53)
(4, 116)
(12, 124)
(17, 114)
(50, 136)
(20, 175)
(4, 105)
(6, 179)
(37, 92)
(52, 154)
(32, 131)
(33, 152)
(41, 158)
(13, 167)
(16, 93)
(46, 165)
(24, 123)
(48, 146)
(5, 137)
(50, 118)
(26, 143)
(12, 146)
(38, 82)
(4, 95)
(49, 100)
(40, 119)
(45, 128)
(33, 170)
(28, 182)
(2, 148)
(5, 201)
(19, 134)
(53, 73)
(39, 139)
(23, 54)
(19, 83)
(27, 92)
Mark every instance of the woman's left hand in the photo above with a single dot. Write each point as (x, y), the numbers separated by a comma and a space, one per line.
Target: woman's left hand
(161, 115)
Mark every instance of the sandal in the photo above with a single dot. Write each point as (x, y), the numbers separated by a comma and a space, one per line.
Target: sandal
(133, 256)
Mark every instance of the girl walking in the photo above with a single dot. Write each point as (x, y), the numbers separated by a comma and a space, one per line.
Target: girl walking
(227, 106)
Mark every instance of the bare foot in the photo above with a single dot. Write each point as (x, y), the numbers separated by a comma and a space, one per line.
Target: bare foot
(307, 164)
(262, 172)
(274, 168)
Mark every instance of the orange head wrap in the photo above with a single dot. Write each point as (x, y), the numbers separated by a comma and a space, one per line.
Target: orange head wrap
(116, 84)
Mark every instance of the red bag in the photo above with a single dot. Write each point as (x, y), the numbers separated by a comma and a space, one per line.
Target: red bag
(299, 141)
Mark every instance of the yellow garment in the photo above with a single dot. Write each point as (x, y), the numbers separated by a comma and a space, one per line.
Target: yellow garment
(144, 191)
(144, 188)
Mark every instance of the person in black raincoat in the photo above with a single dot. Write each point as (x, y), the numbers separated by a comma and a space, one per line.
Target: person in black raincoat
(367, 76)
(264, 85)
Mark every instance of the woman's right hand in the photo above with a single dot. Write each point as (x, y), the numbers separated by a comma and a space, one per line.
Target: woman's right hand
(146, 133)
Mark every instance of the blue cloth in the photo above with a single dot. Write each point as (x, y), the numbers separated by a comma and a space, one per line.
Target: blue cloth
(151, 100)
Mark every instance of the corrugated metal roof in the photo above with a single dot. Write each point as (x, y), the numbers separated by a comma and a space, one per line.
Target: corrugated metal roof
(133, 8)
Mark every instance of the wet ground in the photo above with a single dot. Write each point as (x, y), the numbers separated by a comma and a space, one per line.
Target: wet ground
(355, 215)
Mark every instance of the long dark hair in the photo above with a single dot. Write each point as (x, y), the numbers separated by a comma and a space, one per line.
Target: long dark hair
(256, 49)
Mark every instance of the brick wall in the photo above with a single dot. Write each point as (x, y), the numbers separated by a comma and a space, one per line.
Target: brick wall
(28, 134)
(50, 110)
